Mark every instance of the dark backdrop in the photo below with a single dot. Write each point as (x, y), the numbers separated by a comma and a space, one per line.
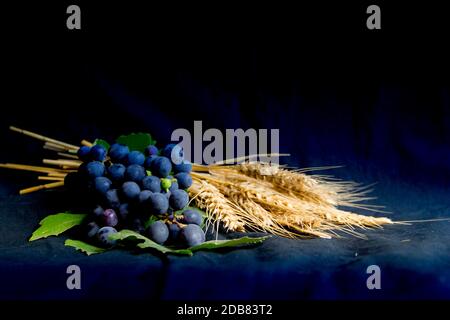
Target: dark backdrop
(376, 102)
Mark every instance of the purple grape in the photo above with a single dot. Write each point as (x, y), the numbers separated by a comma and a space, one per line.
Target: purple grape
(112, 198)
(184, 180)
(131, 190)
(178, 199)
(109, 218)
(84, 153)
(158, 232)
(102, 184)
(135, 173)
(148, 162)
(95, 169)
(151, 183)
(91, 229)
(118, 152)
(98, 153)
(135, 157)
(124, 211)
(192, 235)
(192, 217)
(184, 166)
(151, 150)
(144, 197)
(103, 236)
(174, 186)
(117, 172)
(161, 167)
(98, 211)
(158, 203)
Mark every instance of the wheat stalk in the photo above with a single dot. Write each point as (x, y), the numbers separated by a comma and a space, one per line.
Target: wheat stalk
(290, 203)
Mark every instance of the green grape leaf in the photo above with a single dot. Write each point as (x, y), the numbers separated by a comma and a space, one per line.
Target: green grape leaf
(102, 143)
(136, 141)
(145, 243)
(217, 244)
(56, 224)
(84, 247)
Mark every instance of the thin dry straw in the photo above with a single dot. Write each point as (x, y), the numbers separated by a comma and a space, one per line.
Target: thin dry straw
(68, 155)
(43, 138)
(42, 187)
(63, 162)
(50, 178)
(86, 143)
(25, 167)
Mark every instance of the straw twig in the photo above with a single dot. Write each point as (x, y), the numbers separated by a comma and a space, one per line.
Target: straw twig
(43, 138)
(42, 187)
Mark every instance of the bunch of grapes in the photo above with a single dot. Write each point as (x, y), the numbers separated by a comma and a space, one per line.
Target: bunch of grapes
(131, 188)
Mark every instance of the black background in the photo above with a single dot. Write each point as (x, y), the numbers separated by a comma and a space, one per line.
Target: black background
(375, 101)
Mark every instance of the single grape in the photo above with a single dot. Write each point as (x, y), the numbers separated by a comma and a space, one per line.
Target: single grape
(161, 167)
(174, 186)
(98, 153)
(148, 162)
(84, 153)
(174, 152)
(102, 184)
(124, 211)
(184, 180)
(184, 166)
(174, 231)
(91, 229)
(117, 172)
(135, 173)
(178, 199)
(192, 217)
(151, 183)
(158, 203)
(110, 218)
(131, 190)
(158, 232)
(95, 169)
(103, 236)
(151, 150)
(112, 198)
(135, 157)
(192, 235)
(98, 212)
(118, 152)
(144, 197)
(166, 183)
